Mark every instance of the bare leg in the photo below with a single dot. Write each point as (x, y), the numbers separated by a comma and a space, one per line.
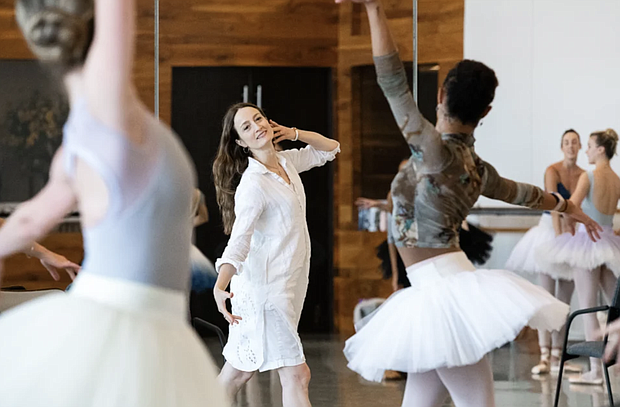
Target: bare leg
(470, 386)
(295, 381)
(233, 379)
(253, 393)
(587, 282)
(424, 390)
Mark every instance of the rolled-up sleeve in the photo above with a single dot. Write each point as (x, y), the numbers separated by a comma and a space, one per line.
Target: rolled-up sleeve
(249, 205)
(309, 157)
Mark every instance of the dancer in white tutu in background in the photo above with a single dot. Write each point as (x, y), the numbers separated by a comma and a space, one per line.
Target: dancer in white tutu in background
(562, 178)
(440, 329)
(120, 336)
(267, 259)
(595, 264)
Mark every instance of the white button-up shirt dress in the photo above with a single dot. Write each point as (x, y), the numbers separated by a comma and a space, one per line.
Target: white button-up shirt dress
(270, 248)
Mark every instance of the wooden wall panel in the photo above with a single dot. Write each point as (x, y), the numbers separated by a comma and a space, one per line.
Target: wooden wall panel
(214, 33)
(244, 33)
(287, 33)
(202, 33)
(440, 30)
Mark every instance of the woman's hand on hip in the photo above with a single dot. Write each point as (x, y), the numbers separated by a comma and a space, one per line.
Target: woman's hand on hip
(220, 299)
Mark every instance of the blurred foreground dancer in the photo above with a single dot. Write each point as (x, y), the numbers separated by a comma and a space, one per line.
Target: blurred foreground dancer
(120, 337)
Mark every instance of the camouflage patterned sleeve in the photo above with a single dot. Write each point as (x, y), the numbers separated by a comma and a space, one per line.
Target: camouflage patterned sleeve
(516, 193)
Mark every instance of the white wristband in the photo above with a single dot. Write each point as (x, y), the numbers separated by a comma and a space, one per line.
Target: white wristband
(296, 134)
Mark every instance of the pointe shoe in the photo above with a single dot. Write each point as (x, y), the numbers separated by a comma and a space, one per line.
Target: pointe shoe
(586, 379)
(543, 367)
(556, 355)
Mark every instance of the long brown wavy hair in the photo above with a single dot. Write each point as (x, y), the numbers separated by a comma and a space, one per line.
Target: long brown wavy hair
(230, 163)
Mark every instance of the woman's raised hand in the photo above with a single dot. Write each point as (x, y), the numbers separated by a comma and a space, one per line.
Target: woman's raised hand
(577, 214)
(281, 133)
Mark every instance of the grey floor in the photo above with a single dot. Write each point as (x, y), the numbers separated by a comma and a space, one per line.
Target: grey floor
(334, 385)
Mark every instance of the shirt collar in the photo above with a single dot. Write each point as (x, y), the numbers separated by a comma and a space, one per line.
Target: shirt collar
(256, 166)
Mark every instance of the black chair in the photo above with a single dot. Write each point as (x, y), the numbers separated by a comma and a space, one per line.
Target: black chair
(591, 349)
(200, 324)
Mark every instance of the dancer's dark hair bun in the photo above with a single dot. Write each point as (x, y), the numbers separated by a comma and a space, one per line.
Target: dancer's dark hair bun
(470, 89)
(59, 32)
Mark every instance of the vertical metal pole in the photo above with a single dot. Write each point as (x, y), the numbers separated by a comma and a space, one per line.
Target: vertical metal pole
(415, 50)
(156, 58)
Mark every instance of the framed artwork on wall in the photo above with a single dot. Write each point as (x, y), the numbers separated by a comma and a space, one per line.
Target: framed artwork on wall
(33, 110)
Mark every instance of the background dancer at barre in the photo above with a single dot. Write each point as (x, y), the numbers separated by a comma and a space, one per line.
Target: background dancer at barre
(562, 178)
(596, 265)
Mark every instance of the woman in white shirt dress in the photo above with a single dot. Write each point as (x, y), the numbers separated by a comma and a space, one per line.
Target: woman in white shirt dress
(267, 260)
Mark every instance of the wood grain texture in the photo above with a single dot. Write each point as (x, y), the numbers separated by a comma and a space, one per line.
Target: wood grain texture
(287, 33)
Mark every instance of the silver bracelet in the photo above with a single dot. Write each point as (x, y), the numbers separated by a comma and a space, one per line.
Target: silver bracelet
(296, 134)
(562, 205)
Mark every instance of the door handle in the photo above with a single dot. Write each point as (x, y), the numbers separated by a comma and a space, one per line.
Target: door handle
(246, 94)
(259, 96)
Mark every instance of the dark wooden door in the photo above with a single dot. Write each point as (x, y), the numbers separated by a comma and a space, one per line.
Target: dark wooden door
(299, 97)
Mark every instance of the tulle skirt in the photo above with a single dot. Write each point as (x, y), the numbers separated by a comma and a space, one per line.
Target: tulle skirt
(580, 252)
(107, 342)
(524, 256)
(452, 315)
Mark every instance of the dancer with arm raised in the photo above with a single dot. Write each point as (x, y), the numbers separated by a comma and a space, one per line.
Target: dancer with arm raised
(441, 329)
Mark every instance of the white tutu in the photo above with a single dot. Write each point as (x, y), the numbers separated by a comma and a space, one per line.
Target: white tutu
(452, 315)
(106, 343)
(524, 255)
(580, 252)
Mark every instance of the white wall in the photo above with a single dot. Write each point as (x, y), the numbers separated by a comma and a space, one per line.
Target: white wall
(558, 64)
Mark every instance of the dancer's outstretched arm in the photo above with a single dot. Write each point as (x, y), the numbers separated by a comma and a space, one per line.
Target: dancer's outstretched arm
(33, 219)
(367, 203)
(382, 41)
(108, 67)
(517, 193)
(423, 139)
(552, 178)
(53, 262)
(583, 187)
